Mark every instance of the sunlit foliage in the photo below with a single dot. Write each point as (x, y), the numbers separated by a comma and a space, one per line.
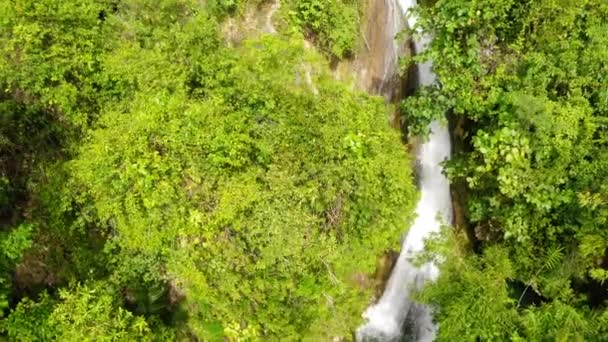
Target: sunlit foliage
(528, 83)
(157, 184)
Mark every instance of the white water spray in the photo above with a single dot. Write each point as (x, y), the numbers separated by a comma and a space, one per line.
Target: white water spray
(269, 26)
(385, 319)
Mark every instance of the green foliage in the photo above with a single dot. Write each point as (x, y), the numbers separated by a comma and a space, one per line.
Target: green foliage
(51, 52)
(90, 312)
(476, 306)
(332, 24)
(28, 321)
(15, 242)
(148, 290)
(85, 312)
(12, 246)
(220, 185)
(475, 301)
(529, 81)
(184, 189)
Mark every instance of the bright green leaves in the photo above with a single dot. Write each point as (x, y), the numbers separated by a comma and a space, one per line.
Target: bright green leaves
(183, 188)
(96, 311)
(137, 175)
(264, 197)
(28, 321)
(16, 242)
(477, 304)
(508, 146)
(332, 24)
(476, 297)
(561, 321)
(93, 314)
(529, 79)
(592, 248)
(420, 110)
(12, 246)
(52, 61)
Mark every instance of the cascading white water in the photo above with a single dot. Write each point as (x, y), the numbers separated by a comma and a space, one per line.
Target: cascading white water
(385, 319)
(269, 26)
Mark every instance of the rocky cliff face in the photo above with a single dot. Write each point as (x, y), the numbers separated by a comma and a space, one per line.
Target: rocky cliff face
(375, 67)
(255, 20)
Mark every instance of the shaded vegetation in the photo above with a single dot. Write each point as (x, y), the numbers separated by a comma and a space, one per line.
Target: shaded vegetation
(531, 81)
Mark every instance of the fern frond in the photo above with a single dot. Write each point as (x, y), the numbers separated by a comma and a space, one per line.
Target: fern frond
(553, 258)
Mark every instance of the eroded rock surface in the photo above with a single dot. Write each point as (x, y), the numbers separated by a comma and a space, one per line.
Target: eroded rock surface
(375, 67)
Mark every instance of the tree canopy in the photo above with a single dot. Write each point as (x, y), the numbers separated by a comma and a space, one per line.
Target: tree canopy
(527, 82)
(158, 183)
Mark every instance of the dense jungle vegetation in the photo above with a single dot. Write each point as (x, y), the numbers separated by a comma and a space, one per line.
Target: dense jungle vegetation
(526, 84)
(160, 183)
(157, 183)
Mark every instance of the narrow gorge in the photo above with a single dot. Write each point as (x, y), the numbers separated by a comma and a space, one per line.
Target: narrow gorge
(386, 318)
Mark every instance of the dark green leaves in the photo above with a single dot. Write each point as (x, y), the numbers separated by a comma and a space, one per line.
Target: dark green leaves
(527, 77)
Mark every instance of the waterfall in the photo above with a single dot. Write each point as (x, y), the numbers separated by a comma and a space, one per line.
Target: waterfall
(269, 26)
(386, 318)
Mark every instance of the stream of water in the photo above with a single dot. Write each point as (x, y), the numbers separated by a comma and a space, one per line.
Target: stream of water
(386, 318)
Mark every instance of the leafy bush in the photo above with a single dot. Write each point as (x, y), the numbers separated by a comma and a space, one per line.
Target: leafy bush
(527, 80)
(332, 24)
(266, 198)
(241, 189)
